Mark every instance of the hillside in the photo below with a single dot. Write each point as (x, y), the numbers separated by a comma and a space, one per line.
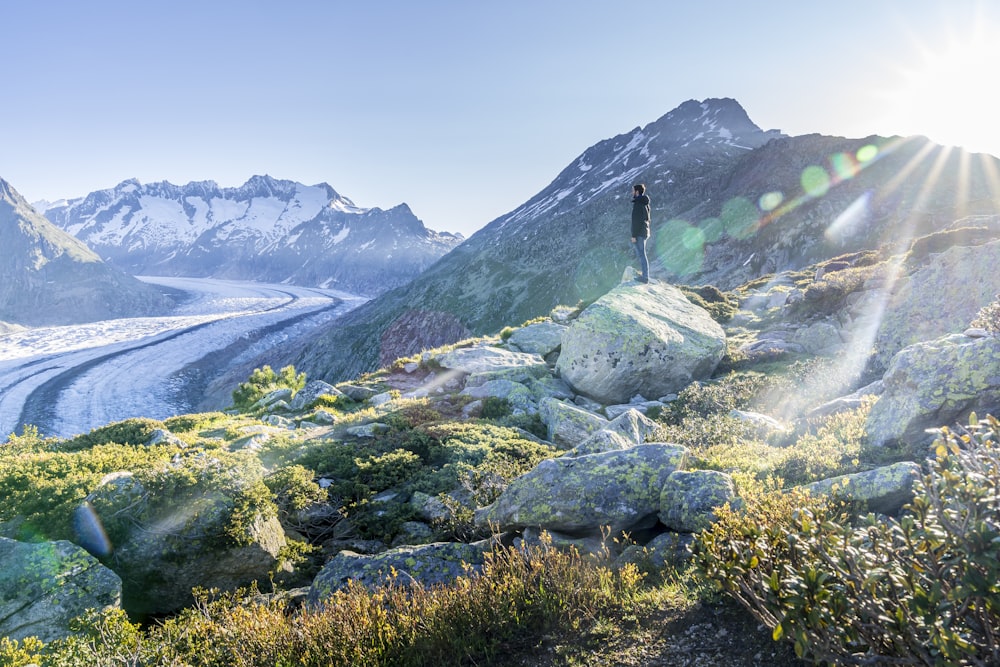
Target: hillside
(731, 203)
(48, 277)
(344, 497)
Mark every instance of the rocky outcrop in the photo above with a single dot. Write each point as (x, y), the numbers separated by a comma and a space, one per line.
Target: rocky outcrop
(639, 339)
(935, 384)
(619, 490)
(44, 585)
(568, 425)
(206, 531)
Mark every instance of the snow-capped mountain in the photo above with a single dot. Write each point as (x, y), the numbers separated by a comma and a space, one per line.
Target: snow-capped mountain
(267, 229)
(49, 277)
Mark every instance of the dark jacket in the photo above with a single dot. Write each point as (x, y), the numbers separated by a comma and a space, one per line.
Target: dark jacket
(640, 216)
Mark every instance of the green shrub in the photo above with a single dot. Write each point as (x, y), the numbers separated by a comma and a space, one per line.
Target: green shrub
(262, 382)
(495, 407)
(128, 432)
(520, 595)
(918, 590)
(709, 399)
(45, 487)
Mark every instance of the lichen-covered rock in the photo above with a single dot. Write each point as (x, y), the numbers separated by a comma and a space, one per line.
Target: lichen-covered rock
(485, 359)
(425, 565)
(647, 340)
(604, 440)
(941, 297)
(619, 490)
(541, 338)
(357, 393)
(633, 425)
(935, 384)
(627, 430)
(568, 425)
(884, 489)
(44, 585)
(516, 394)
(214, 528)
(311, 392)
(688, 499)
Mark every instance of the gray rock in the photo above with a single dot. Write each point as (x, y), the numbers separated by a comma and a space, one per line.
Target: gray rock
(567, 424)
(688, 499)
(765, 425)
(941, 297)
(44, 585)
(649, 341)
(357, 393)
(604, 440)
(550, 387)
(367, 430)
(934, 384)
(164, 437)
(619, 490)
(541, 338)
(485, 359)
(271, 398)
(884, 490)
(311, 392)
(166, 545)
(425, 565)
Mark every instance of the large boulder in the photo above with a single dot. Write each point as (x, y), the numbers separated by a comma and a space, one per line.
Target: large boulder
(645, 339)
(200, 522)
(942, 297)
(935, 384)
(425, 565)
(44, 585)
(883, 490)
(581, 495)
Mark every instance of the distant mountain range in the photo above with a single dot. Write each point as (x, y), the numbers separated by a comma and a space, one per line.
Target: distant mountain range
(730, 202)
(266, 230)
(48, 277)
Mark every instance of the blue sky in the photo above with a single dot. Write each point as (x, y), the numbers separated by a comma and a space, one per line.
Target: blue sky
(463, 110)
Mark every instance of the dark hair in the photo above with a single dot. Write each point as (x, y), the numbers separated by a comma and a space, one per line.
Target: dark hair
(640, 187)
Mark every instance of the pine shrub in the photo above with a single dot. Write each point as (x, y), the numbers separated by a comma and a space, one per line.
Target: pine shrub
(918, 590)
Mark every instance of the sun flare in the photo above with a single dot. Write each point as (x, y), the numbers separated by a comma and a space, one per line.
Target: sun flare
(949, 91)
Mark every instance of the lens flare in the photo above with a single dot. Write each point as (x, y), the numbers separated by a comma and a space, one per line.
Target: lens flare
(867, 153)
(739, 218)
(680, 247)
(815, 181)
(770, 201)
(90, 533)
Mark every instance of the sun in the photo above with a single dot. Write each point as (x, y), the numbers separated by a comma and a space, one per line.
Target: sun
(949, 91)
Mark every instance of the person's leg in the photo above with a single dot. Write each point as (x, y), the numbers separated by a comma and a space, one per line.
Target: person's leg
(640, 252)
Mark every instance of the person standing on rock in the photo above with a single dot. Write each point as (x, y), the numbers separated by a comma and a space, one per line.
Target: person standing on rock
(640, 227)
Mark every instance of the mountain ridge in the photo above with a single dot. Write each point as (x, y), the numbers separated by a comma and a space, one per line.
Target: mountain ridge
(49, 277)
(729, 206)
(267, 229)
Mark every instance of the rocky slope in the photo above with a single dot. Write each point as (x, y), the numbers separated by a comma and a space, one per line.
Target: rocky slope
(730, 203)
(49, 277)
(267, 230)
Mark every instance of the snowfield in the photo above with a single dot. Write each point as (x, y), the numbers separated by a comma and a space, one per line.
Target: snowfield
(67, 380)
